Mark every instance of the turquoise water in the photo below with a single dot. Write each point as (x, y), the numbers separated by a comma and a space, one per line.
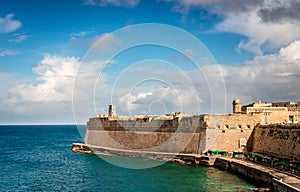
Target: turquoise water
(38, 158)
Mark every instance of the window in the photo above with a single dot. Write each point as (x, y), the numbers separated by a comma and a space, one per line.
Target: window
(291, 118)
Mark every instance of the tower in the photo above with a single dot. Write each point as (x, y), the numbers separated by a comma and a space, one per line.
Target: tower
(112, 111)
(237, 106)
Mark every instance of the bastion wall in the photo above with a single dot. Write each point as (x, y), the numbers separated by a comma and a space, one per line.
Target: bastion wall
(170, 136)
(282, 141)
(197, 134)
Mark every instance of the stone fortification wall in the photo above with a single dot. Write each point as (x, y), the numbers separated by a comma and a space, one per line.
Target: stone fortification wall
(229, 140)
(234, 121)
(146, 141)
(186, 124)
(282, 141)
(280, 117)
(196, 134)
(170, 136)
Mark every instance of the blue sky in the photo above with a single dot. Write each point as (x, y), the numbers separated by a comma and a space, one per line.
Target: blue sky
(42, 43)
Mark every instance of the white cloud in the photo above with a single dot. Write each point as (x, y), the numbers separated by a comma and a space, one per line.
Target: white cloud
(7, 24)
(271, 77)
(104, 42)
(140, 102)
(117, 3)
(18, 38)
(54, 82)
(266, 25)
(8, 52)
(48, 98)
(75, 35)
(270, 35)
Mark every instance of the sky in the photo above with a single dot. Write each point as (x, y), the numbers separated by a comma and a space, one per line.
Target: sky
(65, 61)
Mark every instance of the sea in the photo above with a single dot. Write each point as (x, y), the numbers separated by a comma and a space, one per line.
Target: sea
(39, 158)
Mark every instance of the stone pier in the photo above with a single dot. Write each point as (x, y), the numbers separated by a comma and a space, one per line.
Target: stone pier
(277, 181)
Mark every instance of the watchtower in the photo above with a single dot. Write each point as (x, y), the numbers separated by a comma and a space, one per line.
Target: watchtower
(112, 111)
(237, 106)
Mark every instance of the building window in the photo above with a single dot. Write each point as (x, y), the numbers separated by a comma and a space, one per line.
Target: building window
(291, 118)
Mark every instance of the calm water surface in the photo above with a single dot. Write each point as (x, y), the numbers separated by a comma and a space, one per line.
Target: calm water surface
(38, 158)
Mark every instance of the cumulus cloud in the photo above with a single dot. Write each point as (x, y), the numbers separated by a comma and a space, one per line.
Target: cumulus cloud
(266, 24)
(117, 3)
(7, 24)
(159, 100)
(49, 97)
(258, 33)
(54, 82)
(281, 12)
(271, 77)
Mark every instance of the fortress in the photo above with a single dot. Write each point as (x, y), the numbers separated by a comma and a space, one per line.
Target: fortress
(177, 133)
(262, 133)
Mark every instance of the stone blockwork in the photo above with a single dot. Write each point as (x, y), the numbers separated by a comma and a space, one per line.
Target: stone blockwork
(146, 141)
(233, 121)
(281, 141)
(170, 136)
(228, 140)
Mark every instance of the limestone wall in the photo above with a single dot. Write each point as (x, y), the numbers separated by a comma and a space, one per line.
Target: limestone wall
(234, 121)
(171, 136)
(197, 134)
(145, 141)
(186, 124)
(228, 140)
(281, 141)
(189, 135)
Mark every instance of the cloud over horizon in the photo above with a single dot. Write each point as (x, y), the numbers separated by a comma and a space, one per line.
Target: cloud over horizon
(271, 77)
(54, 82)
